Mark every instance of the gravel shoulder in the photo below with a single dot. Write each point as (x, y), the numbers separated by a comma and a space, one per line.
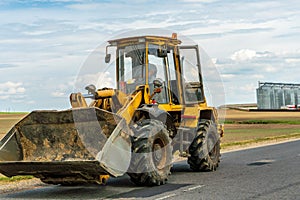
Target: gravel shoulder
(9, 187)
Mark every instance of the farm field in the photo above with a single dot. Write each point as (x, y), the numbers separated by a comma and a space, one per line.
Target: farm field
(243, 127)
(239, 115)
(7, 120)
(240, 126)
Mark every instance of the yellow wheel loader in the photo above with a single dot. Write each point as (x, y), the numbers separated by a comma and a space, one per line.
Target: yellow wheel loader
(157, 110)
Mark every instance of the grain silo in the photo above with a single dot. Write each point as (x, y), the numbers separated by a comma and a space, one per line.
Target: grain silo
(277, 95)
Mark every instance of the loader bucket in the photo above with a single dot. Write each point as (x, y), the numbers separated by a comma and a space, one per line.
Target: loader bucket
(66, 146)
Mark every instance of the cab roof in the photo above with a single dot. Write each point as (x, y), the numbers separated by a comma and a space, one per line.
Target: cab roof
(150, 38)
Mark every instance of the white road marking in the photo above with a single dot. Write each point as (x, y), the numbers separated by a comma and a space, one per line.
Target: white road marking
(166, 197)
(186, 190)
(265, 161)
(193, 188)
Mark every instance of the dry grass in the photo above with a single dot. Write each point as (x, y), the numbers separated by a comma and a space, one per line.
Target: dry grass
(278, 125)
(236, 134)
(245, 115)
(233, 132)
(8, 120)
(241, 132)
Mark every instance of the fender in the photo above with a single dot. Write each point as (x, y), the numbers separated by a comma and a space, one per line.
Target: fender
(209, 114)
(152, 111)
(212, 114)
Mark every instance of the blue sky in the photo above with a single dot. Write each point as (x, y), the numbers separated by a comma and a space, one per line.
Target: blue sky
(45, 43)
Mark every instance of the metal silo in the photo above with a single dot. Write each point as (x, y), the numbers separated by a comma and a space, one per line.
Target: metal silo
(277, 95)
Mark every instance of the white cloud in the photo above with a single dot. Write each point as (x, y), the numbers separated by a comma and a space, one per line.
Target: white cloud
(248, 88)
(248, 54)
(100, 80)
(38, 33)
(228, 76)
(243, 55)
(12, 88)
(220, 27)
(42, 1)
(258, 76)
(214, 60)
(31, 102)
(4, 97)
(64, 1)
(58, 94)
(17, 101)
(271, 69)
(88, 6)
(292, 60)
(199, 1)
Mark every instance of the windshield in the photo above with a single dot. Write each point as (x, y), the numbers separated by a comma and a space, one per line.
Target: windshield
(157, 70)
(131, 67)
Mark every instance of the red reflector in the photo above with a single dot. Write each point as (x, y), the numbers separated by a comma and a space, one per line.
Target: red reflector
(188, 117)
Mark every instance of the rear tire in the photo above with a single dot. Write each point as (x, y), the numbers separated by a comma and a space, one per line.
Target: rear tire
(205, 148)
(151, 154)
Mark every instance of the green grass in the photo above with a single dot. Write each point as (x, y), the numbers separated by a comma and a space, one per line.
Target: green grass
(251, 141)
(14, 178)
(13, 113)
(265, 121)
(249, 132)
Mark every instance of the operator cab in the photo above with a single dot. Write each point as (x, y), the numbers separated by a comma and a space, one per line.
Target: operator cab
(147, 60)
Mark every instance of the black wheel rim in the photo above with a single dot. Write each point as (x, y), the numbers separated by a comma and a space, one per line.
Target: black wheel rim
(159, 154)
(212, 148)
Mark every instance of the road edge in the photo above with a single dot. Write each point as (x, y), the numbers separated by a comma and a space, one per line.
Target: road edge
(258, 144)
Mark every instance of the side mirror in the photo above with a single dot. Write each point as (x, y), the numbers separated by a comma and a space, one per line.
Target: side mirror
(107, 58)
(157, 83)
(91, 89)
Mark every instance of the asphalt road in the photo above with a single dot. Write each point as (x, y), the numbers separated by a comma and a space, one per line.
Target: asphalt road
(270, 172)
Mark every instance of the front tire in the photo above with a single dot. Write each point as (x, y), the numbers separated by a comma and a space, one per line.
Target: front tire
(205, 148)
(151, 154)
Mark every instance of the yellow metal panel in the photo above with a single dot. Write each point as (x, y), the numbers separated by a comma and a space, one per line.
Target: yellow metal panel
(105, 93)
(77, 101)
(122, 97)
(170, 107)
(96, 103)
(190, 116)
(165, 107)
(147, 94)
(128, 111)
(176, 107)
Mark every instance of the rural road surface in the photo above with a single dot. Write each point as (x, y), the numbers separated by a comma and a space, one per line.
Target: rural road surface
(271, 172)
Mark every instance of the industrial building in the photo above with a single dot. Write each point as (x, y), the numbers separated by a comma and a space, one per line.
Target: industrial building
(277, 95)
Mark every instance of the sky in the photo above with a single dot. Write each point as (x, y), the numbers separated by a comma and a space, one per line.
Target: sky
(44, 44)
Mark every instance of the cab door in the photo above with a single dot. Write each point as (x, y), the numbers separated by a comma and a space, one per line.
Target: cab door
(191, 75)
